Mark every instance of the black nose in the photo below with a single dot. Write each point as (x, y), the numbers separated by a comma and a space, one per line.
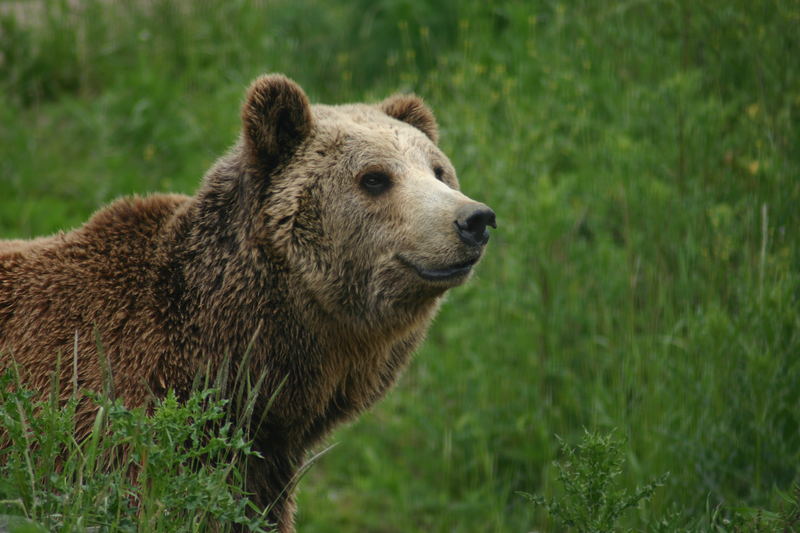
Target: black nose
(471, 222)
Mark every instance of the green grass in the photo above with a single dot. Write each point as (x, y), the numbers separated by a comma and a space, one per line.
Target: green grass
(643, 158)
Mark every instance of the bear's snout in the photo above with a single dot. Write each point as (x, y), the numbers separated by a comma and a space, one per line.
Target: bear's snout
(471, 222)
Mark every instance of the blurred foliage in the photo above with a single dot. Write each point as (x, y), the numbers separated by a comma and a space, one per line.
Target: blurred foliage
(643, 160)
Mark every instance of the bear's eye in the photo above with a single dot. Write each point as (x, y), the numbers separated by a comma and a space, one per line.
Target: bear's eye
(376, 182)
(439, 172)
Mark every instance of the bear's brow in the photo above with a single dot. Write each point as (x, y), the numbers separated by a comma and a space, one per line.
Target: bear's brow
(381, 138)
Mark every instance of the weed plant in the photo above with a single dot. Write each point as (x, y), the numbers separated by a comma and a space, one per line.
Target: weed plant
(592, 503)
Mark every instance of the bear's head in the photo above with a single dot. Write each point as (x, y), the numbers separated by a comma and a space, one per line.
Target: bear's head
(359, 202)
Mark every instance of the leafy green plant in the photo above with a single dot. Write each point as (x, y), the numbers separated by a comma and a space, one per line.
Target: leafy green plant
(592, 502)
(179, 469)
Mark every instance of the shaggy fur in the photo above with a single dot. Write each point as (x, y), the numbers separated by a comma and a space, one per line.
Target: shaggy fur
(283, 239)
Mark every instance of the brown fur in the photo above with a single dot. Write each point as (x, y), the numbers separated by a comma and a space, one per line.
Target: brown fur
(281, 240)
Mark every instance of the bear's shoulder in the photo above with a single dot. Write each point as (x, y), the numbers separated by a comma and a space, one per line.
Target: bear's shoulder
(134, 212)
(127, 225)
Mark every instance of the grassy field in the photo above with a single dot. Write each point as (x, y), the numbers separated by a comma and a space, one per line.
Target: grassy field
(643, 158)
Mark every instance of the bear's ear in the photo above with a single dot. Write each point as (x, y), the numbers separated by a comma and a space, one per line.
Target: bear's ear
(410, 109)
(276, 118)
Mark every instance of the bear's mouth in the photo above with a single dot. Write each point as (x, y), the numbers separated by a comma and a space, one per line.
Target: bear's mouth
(448, 273)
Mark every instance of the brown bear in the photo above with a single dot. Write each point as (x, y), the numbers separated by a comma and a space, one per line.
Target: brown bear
(321, 244)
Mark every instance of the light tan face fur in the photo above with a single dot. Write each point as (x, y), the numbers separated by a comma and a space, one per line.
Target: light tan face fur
(362, 253)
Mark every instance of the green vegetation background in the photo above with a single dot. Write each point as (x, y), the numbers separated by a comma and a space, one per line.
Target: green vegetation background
(644, 162)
